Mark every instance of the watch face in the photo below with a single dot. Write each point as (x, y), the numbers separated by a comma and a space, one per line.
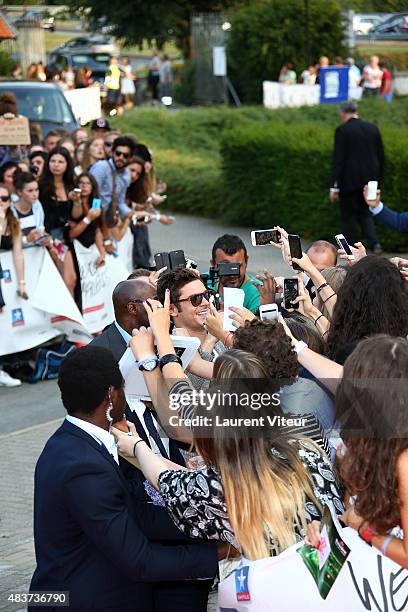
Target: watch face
(150, 365)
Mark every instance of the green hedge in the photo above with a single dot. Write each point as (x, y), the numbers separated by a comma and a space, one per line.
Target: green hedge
(279, 174)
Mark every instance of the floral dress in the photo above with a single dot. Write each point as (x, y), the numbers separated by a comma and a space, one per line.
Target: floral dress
(196, 503)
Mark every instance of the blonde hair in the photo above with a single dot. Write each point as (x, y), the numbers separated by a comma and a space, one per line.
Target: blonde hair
(334, 276)
(264, 482)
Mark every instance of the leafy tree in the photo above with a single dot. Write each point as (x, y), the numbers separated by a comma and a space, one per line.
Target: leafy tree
(159, 20)
(376, 6)
(269, 33)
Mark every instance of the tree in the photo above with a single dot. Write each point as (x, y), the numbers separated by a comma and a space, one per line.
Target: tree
(158, 20)
(269, 33)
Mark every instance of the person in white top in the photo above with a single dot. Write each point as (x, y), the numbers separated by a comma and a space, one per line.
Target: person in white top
(372, 75)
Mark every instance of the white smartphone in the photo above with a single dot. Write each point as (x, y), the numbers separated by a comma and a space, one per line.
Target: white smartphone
(343, 244)
(231, 297)
(264, 237)
(268, 312)
(372, 190)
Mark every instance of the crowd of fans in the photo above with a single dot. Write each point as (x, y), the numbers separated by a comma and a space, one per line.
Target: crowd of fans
(375, 78)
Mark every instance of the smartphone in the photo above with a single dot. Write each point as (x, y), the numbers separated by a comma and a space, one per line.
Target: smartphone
(343, 244)
(264, 237)
(177, 259)
(268, 312)
(162, 260)
(77, 190)
(372, 190)
(295, 249)
(290, 292)
(96, 203)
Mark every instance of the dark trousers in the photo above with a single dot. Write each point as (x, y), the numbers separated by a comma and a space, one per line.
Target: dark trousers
(154, 81)
(354, 210)
(186, 596)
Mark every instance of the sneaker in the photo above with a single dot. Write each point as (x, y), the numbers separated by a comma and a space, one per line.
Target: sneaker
(7, 381)
(377, 249)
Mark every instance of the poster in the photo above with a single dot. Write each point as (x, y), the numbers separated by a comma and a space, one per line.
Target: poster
(14, 131)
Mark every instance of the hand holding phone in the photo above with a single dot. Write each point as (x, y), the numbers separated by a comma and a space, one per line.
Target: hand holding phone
(343, 244)
(268, 312)
(290, 292)
(265, 237)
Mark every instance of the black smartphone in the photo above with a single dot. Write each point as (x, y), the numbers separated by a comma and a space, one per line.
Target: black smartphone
(177, 259)
(162, 260)
(290, 292)
(295, 249)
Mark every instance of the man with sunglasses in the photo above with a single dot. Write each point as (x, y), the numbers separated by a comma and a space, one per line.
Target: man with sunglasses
(189, 308)
(108, 140)
(113, 177)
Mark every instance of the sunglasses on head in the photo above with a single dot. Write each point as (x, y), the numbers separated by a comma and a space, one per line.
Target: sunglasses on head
(196, 299)
(5, 198)
(121, 154)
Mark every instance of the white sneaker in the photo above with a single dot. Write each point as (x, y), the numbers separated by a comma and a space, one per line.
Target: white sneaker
(7, 381)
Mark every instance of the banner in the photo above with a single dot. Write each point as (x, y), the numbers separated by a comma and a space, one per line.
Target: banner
(125, 250)
(334, 84)
(85, 103)
(49, 311)
(15, 131)
(367, 581)
(97, 285)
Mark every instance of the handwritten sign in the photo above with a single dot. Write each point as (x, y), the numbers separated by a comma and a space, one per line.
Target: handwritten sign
(14, 131)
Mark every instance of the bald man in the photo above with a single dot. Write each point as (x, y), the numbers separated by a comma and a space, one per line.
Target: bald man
(128, 297)
(322, 254)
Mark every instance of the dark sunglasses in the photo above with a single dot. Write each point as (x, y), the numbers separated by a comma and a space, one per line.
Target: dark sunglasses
(121, 154)
(4, 198)
(108, 144)
(196, 299)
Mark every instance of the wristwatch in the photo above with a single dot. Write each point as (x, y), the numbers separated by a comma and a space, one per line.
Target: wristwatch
(170, 358)
(148, 364)
(367, 535)
(299, 346)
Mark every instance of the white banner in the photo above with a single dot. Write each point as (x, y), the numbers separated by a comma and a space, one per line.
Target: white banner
(97, 285)
(85, 103)
(125, 250)
(276, 95)
(49, 311)
(367, 581)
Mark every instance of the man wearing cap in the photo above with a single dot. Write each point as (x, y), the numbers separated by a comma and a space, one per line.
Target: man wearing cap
(357, 159)
(100, 127)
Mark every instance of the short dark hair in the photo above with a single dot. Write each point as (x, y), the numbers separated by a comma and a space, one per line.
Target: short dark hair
(348, 108)
(52, 133)
(175, 281)
(85, 377)
(230, 244)
(35, 154)
(124, 141)
(138, 273)
(23, 178)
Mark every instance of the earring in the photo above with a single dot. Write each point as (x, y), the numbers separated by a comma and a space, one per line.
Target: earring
(109, 410)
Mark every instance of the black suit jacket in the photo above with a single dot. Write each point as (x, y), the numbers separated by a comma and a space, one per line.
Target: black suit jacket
(112, 340)
(88, 539)
(358, 155)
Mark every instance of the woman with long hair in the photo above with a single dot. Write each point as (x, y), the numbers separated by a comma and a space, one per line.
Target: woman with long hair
(79, 158)
(93, 152)
(85, 226)
(257, 489)
(136, 197)
(372, 406)
(372, 299)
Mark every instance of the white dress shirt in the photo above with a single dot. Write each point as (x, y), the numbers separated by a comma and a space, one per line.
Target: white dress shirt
(103, 437)
(139, 408)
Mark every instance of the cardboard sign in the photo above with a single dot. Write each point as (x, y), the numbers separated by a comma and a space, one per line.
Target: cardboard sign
(14, 131)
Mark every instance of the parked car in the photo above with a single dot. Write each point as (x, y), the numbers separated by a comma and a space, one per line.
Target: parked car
(47, 21)
(95, 43)
(362, 24)
(42, 103)
(393, 28)
(97, 62)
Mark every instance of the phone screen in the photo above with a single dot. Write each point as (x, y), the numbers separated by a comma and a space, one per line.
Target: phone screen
(290, 292)
(345, 245)
(269, 315)
(264, 237)
(96, 203)
(295, 249)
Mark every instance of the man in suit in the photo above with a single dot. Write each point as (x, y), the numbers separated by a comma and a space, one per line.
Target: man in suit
(358, 158)
(393, 219)
(128, 297)
(88, 536)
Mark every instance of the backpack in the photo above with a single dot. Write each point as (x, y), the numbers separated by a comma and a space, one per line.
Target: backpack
(48, 361)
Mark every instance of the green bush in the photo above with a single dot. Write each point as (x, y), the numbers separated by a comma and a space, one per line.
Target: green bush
(266, 34)
(291, 181)
(6, 63)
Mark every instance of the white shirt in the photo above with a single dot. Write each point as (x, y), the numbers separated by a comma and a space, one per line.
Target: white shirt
(102, 436)
(139, 409)
(372, 77)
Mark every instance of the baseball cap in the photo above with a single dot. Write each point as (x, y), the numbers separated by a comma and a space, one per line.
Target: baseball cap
(100, 124)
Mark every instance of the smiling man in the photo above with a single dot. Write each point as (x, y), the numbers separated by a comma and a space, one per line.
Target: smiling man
(230, 249)
(189, 308)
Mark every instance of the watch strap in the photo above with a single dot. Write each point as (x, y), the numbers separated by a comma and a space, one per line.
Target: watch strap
(170, 358)
(141, 363)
